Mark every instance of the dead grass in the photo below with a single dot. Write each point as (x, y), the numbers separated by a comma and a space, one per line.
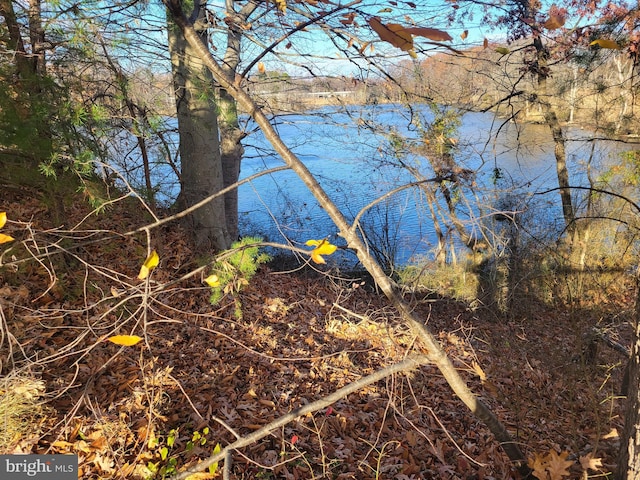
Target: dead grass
(21, 411)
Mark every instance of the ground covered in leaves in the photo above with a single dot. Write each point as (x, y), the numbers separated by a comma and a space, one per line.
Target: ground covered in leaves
(207, 375)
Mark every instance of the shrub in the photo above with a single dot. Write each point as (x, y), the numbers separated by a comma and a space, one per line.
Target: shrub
(236, 270)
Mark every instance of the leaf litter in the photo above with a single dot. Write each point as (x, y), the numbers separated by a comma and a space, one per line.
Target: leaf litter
(301, 337)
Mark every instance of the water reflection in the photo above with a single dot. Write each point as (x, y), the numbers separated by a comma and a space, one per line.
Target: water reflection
(353, 164)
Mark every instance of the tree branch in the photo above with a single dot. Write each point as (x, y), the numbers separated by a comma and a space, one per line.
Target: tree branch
(406, 365)
(436, 353)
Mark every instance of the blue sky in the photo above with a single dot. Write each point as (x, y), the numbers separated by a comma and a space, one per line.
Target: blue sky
(313, 48)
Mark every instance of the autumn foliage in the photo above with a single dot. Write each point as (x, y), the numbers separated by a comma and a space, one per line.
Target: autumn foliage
(149, 358)
(206, 375)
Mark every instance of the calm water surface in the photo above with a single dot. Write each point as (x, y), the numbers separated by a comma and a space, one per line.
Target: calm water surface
(354, 165)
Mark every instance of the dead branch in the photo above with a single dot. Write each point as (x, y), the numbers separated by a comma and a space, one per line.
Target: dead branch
(404, 366)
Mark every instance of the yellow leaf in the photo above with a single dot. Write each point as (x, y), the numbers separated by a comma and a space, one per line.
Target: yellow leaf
(125, 340)
(5, 238)
(200, 476)
(213, 468)
(604, 43)
(281, 5)
(3, 219)
(502, 50)
(323, 247)
(317, 258)
(149, 264)
(261, 68)
(213, 281)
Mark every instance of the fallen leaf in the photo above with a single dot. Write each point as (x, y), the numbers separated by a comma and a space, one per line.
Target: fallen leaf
(200, 476)
(589, 463)
(3, 219)
(558, 465)
(5, 238)
(604, 43)
(538, 465)
(213, 281)
(125, 340)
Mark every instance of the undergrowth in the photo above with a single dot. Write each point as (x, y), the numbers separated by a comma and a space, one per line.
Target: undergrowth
(236, 270)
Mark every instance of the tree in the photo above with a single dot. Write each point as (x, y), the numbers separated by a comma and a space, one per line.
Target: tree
(435, 352)
(37, 127)
(202, 84)
(629, 459)
(614, 27)
(200, 158)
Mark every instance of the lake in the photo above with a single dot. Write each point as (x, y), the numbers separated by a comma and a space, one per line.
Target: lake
(354, 166)
(348, 151)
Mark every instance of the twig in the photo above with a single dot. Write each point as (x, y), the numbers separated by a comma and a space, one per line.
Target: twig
(405, 365)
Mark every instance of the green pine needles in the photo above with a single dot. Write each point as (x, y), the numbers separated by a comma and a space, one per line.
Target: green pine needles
(236, 270)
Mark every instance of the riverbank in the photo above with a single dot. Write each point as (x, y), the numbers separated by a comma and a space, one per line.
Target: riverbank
(200, 373)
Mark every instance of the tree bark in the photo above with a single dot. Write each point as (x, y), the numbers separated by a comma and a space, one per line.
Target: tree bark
(231, 135)
(29, 105)
(231, 152)
(434, 350)
(200, 157)
(629, 458)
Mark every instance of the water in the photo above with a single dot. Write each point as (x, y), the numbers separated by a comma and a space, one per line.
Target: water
(355, 167)
(351, 158)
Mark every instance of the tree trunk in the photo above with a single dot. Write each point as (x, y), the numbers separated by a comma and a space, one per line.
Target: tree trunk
(629, 458)
(29, 105)
(551, 118)
(200, 158)
(231, 152)
(230, 133)
(435, 351)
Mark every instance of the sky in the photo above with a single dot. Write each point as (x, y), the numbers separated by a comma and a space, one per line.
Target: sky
(315, 50)
(304, 52)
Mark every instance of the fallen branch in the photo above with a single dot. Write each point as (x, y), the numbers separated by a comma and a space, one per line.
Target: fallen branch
(436, 353)
(406, 365)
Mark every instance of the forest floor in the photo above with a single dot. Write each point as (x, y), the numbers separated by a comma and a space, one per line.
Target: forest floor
(205, 375)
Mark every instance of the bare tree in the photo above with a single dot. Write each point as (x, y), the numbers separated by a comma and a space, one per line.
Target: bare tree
(435, 352)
